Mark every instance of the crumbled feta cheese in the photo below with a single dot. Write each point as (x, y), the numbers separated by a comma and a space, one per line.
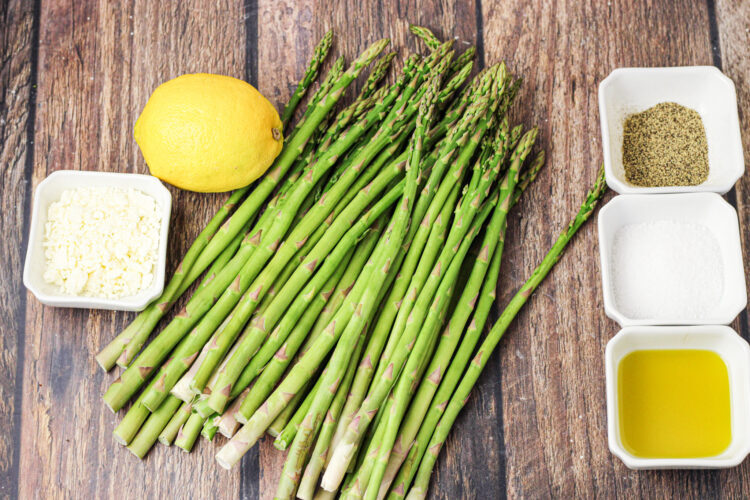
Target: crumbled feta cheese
(102, 242)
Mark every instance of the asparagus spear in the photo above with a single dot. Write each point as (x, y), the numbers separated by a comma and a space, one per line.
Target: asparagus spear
(225, 256)
(422, 262)
(344, 235)
(427, 36)
(319, 55)
(199, 375)
(432, 199)
(364, 373)
(317, 459)
(302, 300)
(229, 423)
(474, 369)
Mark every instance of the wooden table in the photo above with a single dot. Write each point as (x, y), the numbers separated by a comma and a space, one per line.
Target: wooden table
(74, 76)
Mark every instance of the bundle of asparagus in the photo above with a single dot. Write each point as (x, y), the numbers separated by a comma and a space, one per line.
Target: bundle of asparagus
(332, 314)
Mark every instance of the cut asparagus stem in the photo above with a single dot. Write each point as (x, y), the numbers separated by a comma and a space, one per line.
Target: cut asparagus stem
(189, 432)
(228, 423)
(479, 361)
(210, 427)
(169, 433)
(152, 428)
(315, 465)
(278, 425)
(132, 421)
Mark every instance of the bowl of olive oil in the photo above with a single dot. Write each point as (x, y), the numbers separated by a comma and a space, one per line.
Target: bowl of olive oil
(678, 397)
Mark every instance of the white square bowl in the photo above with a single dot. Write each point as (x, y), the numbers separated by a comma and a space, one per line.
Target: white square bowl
(47, 192)
(722, 340)
(702, 88)
(707, 209)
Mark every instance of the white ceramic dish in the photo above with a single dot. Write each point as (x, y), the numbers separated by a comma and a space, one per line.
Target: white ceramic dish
(702, 88)
(708, 209)
(722, 340)
(49, 191)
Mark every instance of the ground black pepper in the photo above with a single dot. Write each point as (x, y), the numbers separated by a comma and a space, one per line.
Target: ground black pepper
(665, 146)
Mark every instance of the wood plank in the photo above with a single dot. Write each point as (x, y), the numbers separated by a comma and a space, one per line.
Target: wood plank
(98, 64)
(17, 78)
(551, 364)
(539, 407)
(732, 54)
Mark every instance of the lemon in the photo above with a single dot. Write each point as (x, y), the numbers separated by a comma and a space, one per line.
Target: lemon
(208, 133)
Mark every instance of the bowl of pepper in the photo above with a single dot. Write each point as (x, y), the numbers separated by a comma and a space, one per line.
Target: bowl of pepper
(670, 130)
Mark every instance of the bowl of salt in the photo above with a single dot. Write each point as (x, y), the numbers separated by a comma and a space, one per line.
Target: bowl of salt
(673, 259)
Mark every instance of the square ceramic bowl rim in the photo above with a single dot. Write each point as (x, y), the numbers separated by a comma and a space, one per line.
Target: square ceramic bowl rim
(622, 187)
(610, 305)
(146, 183)
(634, 462)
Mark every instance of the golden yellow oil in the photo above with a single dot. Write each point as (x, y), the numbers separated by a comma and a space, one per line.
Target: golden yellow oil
(674, 403)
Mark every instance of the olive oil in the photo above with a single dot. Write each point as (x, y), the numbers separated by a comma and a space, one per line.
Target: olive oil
(674, 403)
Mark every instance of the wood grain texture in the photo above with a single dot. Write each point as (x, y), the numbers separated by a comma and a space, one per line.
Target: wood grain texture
(17, 76)
(536, 424)
(731, 45)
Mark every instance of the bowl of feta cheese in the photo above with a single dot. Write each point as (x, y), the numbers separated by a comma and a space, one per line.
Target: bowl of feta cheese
(98, 240)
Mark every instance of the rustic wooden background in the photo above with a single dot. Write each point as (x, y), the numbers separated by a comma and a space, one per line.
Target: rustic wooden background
(75, 74)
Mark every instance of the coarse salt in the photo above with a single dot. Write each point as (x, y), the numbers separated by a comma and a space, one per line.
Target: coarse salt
(667, 269)
(102, 242)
